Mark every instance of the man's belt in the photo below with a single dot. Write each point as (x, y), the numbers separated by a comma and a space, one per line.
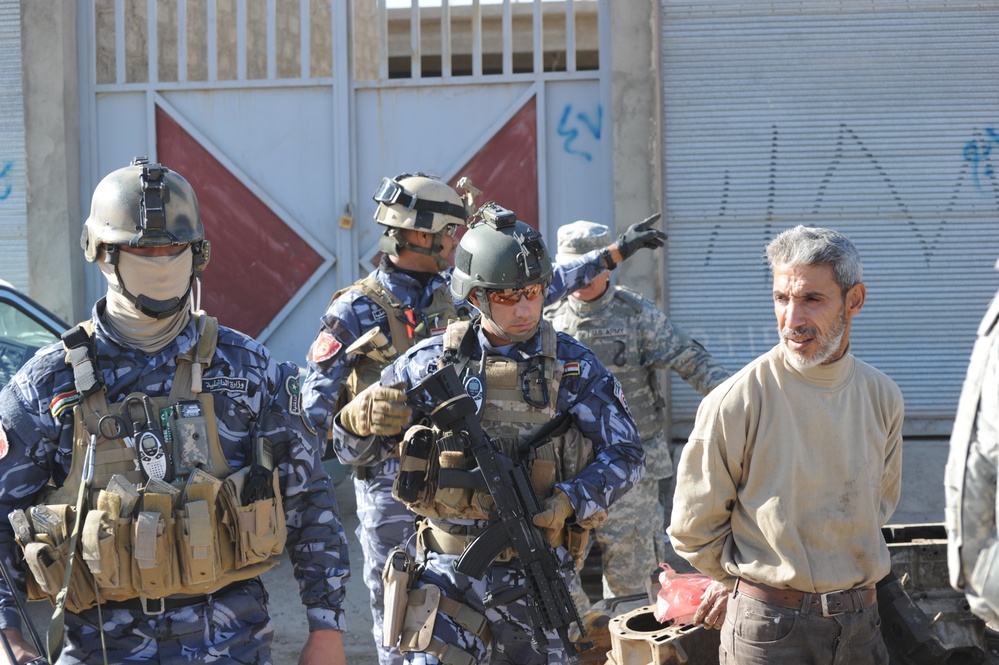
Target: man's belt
(823, 604)
(155, 606)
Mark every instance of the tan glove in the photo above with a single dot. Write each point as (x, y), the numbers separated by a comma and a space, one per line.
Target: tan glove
(377, 410)
(555, 511)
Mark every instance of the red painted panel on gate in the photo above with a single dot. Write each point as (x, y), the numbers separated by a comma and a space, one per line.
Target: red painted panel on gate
(258, 262)
(506, 168)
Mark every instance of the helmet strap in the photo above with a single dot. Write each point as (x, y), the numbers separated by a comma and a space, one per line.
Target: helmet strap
(391, 244)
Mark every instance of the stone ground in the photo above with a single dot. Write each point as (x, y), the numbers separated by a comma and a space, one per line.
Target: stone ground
(922, 501)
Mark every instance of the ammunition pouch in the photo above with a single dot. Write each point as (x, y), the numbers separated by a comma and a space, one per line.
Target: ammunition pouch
(194, 542)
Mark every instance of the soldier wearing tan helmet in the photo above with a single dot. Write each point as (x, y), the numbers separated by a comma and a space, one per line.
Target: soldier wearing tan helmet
(169, 454)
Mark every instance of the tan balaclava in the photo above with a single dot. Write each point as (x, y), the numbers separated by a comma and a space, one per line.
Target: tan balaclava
(160, 278)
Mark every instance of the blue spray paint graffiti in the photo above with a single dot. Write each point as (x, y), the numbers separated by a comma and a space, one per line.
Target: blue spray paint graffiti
(5, 187)
(568, 128)
(978, 153)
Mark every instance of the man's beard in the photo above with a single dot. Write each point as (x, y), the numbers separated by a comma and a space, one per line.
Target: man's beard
(828, 344)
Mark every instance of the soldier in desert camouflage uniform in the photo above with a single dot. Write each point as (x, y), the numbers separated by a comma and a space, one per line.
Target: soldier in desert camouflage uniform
(634, 339)
(973, 550)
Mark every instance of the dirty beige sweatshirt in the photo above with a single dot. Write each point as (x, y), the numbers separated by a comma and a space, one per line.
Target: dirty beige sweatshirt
(790, 474)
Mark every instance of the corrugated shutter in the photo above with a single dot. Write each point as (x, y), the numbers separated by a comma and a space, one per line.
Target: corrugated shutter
(13, 201)
(880, 120)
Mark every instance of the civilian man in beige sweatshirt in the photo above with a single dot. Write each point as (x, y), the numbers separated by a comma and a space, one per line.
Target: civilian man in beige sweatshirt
(792, 468)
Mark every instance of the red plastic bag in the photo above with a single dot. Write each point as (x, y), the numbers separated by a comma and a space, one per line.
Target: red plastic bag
(679, 595)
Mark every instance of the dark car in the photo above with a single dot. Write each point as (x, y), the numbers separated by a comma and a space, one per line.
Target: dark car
(25, 327)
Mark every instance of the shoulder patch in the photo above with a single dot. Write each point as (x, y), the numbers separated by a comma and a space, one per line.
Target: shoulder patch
(4, 445)
(325, 347)
(571, 369)
(227, 384)
(619, 393)
(63, 401)
(294, 391)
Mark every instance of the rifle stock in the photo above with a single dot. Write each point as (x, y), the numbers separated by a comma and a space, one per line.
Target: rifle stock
(551, 604)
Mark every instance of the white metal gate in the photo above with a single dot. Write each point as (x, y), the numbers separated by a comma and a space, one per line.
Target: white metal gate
(287, 113)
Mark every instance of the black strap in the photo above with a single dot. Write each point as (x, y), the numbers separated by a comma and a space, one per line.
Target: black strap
(425, 205)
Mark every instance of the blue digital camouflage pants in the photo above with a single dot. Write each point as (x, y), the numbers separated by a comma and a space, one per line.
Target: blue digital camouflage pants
(228, 629)
(384, 523)
(510, 625)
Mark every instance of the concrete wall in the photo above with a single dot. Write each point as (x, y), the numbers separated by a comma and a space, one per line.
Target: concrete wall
(52, 143)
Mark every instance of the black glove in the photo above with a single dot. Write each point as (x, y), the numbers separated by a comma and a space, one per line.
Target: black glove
(641, 235)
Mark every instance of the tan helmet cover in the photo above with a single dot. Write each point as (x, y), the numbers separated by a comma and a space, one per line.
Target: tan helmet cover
(410, 209)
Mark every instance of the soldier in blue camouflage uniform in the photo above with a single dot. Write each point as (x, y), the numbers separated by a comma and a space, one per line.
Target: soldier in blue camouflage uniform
(970, 478)
(404, 300)
(146, 235)
(634, 339)
(522, 374)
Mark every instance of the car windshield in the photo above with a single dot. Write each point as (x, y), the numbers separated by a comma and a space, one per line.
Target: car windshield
(20, 336)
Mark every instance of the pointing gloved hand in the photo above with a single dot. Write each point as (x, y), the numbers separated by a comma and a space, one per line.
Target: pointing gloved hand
(378, 410)
(555, 511)
(639, 235)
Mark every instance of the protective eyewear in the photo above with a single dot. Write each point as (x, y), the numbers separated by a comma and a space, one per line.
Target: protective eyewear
(391, 192)
(513, 296)
(450, 230)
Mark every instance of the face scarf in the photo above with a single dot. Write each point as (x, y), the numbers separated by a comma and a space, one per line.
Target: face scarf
(156, 277)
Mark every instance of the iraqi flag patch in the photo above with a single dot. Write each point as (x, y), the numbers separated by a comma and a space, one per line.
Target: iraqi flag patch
(63, 401)
(570, 369)
(325, 347)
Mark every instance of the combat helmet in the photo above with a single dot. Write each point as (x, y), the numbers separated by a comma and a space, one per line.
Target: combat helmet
(143, 205)
(417, 202)
(499, 252)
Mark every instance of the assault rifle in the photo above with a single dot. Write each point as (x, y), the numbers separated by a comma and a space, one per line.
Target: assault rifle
(549, 604)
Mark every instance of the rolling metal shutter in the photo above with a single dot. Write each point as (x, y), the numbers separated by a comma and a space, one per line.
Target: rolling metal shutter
(13, 201)
(879, 120)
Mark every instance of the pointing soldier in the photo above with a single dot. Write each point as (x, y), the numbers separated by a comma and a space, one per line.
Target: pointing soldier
(521, 375)
(633, 339)
(185, 446)
(370, 323)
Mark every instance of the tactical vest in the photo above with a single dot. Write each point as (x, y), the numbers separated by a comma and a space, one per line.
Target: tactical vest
(961, 435)
(151, 539)
(518, 399)
(615, 340)
(406, 327)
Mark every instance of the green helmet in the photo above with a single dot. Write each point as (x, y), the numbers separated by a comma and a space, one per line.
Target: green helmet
(499, 252)
(143, 205)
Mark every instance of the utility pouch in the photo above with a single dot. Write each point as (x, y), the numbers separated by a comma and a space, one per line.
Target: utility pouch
(396, 577)
(258, 529)
(421, 614)
(454, 499)
(47, 562)
(576, 539)
(106, 545)
(154, 570)
(410, 485)
(200, 562)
